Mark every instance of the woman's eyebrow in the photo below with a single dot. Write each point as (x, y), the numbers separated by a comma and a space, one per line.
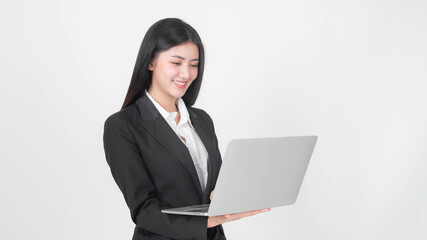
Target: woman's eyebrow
(177, 56)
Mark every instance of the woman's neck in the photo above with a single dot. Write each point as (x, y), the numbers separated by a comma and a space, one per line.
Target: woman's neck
(169, 104)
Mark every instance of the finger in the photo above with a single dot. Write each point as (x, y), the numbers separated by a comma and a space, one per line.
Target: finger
(237, 216)
(247, 214)
(242, 215)
(255, 211)
(262, 210)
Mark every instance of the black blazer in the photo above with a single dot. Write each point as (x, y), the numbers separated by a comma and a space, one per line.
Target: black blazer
(154, 170)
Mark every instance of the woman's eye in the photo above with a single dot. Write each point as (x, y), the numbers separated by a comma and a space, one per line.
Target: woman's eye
(177, 63)
(194, 65)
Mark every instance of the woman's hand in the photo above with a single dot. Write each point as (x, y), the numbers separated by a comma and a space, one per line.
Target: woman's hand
(217, 220)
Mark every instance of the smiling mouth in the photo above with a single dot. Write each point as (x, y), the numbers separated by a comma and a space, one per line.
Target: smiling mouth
(180, 84)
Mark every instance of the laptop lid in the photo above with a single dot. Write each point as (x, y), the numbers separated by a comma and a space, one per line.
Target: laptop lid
(261, 173)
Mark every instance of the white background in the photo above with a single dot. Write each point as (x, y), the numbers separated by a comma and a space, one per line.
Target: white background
(352, 72)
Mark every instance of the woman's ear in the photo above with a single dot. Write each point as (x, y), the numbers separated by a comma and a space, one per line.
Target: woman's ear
(150, 65)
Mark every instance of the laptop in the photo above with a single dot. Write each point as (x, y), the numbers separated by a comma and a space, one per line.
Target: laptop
(255, 174)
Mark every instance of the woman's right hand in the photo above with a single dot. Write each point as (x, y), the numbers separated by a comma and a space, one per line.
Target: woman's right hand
(217, 220)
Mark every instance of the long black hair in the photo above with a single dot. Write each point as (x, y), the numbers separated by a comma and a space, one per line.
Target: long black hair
(162, 35)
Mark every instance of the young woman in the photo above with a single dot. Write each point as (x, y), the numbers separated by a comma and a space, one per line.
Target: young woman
(163, 152)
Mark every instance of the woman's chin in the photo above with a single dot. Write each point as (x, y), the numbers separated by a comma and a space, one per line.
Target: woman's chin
(179, 93)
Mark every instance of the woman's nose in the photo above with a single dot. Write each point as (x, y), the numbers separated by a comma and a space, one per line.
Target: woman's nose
(184, 72)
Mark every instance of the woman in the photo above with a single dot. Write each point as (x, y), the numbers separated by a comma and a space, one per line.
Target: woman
(162, 152)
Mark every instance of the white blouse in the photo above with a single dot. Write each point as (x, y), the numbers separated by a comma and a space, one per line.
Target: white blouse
(192, 140)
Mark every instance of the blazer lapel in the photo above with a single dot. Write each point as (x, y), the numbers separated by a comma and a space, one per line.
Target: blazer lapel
(157, 126)
(207, 142)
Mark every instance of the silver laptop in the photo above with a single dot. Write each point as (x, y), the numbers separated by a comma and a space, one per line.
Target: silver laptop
(256, 174)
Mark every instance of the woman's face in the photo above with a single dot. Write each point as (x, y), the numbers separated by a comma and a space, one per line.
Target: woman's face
(173, 71)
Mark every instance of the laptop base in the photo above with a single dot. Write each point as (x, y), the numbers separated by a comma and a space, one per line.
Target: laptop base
(196, 210)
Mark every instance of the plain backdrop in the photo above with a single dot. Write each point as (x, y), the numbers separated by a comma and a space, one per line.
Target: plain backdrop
(352, 72)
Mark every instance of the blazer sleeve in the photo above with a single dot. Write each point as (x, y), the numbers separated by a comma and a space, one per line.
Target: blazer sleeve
(129, 172)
